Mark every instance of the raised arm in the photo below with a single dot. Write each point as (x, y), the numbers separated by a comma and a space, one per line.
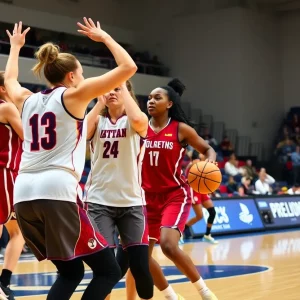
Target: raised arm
(189, 135)
(12, 117)
(93, 117)
(17, 93)
(93, 87)
(138, 120)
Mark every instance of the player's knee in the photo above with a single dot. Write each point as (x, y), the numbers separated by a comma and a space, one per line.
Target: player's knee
(112, 271)
(212, 215)
(122, 259)
(168, 247)
(74, 272)
(103, 263)
(199, 217)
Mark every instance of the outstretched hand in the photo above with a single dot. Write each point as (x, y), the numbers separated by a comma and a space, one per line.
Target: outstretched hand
(92, 31)
(17, 38)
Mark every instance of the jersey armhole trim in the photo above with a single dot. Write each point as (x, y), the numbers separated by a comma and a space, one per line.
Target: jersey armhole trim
(24, 105)
(63, 104)
(1, 123)
(90, 139)
(5, 124)
(182, 143)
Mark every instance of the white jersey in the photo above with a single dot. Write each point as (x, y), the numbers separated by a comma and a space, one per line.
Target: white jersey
(116, 156)
(53, 149)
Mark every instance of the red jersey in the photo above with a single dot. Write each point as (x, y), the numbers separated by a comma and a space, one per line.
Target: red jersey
(10, 147)
(161, 168)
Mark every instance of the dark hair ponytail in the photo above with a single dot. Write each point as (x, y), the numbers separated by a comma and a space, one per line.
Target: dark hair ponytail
(175, 89)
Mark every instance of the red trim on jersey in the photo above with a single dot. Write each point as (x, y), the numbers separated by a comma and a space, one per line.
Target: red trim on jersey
(79, 125)
(111, 121)
(10, 131)
(139, 168)
(49, 91)
(18, 156)
(90, 176)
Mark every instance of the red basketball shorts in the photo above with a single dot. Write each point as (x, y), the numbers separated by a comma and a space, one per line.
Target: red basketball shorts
(198, 198)
(169, 210)
(7, 182)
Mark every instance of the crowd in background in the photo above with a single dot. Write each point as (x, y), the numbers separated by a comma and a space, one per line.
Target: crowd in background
(146, 62)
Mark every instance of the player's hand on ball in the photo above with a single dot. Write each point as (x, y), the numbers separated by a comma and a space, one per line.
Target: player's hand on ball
(212, 161)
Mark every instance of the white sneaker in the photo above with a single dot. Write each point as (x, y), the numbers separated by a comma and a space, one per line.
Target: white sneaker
(209, 296)
(181, 240)
(209, 239)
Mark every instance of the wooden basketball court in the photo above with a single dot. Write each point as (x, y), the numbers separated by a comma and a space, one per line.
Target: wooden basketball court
(249, 267)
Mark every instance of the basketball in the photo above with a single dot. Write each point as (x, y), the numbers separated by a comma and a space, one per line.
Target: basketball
(204, 177)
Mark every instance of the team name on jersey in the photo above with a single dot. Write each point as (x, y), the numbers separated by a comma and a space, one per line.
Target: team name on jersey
(113, 133)
(159, 144)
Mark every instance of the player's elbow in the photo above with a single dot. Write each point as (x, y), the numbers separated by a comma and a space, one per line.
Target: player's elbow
(138, 125)
(130, 68)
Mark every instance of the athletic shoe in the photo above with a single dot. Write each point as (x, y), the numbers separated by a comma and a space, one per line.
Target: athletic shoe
(209, 296)
(6, 293)
(209, 239)
(181, 240)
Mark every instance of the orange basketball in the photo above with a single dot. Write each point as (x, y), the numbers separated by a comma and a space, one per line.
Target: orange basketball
(204, 177)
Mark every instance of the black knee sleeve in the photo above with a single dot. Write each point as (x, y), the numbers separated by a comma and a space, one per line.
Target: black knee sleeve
(71, 270)
(103, 263)
(139, 267)
(122, 259)
(212, 215)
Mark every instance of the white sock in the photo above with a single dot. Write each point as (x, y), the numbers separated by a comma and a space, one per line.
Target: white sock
(201, 286)
(169, 293)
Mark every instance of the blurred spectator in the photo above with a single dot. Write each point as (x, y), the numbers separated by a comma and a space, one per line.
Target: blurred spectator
(262, 185)
(232, 186)
(294, 190)
(209, 139)
(62, 42)
(295, 121)
(296, 136)
(283, 191)
(73, 43)
(285, 148)
(189, 151)
(285, 133)
(245, 188)
(226, 147)
(295, 157)
(250, 171)
(231, 168)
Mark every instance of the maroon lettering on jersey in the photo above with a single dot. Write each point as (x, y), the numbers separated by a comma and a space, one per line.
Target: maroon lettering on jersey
(10, 147)
(113, 133)
(161, 168)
